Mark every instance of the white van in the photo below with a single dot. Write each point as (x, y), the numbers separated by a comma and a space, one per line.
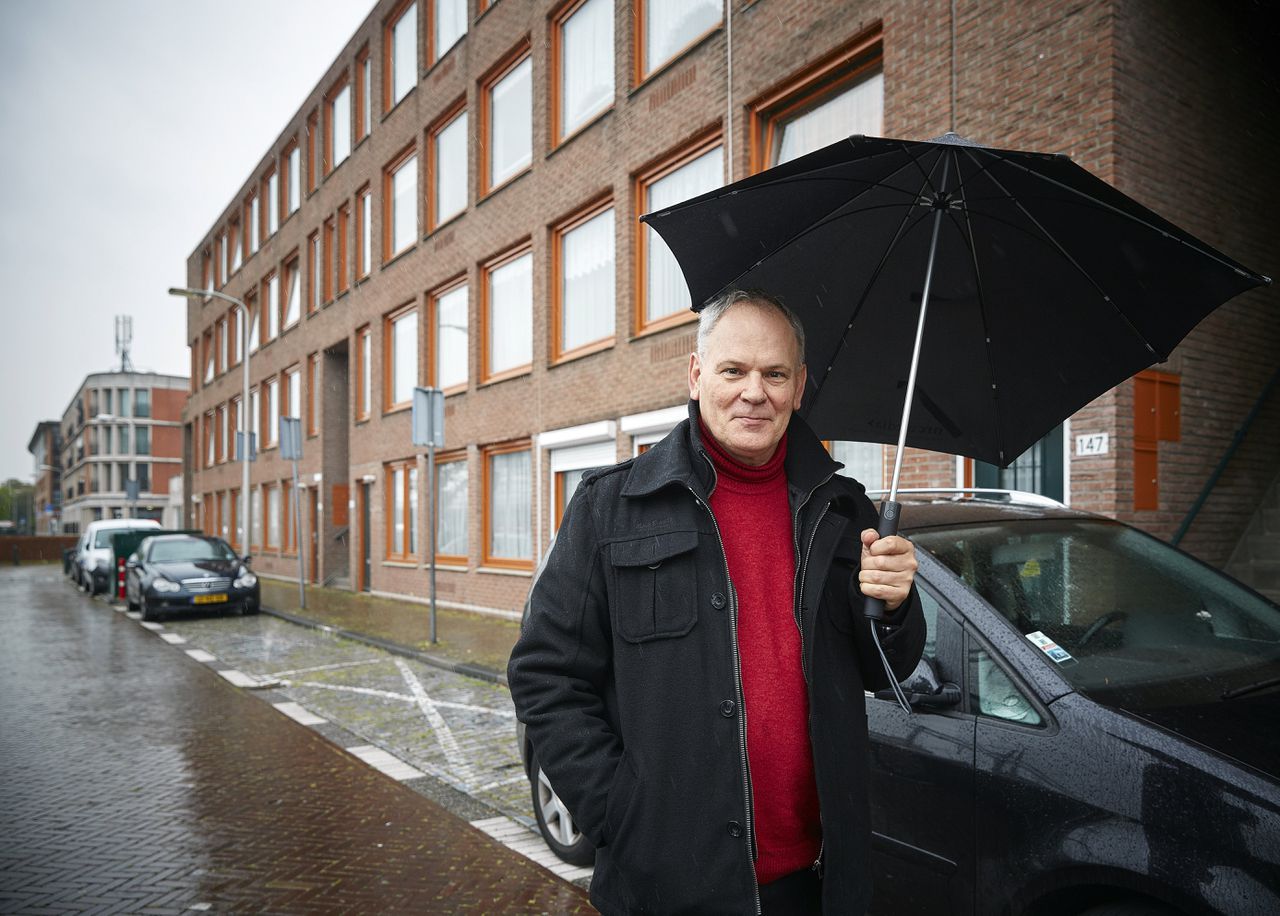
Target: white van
(93, 550)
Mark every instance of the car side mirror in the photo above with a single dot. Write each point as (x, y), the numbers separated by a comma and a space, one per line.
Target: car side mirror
(132, 563)
(246, 559)
(925, 689)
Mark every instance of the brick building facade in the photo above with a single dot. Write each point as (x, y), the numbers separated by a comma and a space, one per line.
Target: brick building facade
(120, 426)
(455, 204)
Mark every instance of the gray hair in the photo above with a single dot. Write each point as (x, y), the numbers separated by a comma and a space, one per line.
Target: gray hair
(711, 314)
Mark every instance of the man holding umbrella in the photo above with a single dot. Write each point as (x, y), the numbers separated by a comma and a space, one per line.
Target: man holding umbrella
(693, 667)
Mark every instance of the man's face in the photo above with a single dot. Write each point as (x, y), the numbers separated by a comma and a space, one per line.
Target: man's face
(749, 381)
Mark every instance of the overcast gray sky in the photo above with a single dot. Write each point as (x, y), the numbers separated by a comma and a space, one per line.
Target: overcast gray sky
(125, 127)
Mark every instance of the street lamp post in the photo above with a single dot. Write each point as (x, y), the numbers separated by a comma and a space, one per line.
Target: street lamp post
(243, 310)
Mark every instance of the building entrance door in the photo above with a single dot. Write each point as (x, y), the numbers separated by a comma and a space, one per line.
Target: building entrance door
(366, 562)
(313, 526)
(1037, 470)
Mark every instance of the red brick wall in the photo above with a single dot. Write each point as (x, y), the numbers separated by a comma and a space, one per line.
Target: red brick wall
(167, 404)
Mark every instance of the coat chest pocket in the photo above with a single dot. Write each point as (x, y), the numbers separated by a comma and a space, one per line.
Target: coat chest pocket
(656, 584)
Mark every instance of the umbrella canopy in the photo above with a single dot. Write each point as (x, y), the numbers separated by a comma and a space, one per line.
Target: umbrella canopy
(1048, 286)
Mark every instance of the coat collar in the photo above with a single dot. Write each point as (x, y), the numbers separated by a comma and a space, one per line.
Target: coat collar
(680, 458)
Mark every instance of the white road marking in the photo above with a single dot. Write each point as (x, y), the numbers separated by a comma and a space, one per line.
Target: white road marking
(529, 844)
(172, 639)
(153, 627)
(300, 713)
(501, 782)
(133, 615)
(333, 667)
(202, 656)
(380, 760)
(240, 679)
(449, 744)
(348, 688)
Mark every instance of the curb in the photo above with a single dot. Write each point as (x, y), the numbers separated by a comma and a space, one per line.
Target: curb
(480, 672)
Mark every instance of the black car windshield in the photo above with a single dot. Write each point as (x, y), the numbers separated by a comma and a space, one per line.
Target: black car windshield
(189, 549)
(1128, 619)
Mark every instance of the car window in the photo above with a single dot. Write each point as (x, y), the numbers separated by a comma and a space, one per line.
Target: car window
(187, 550)
(993, 693)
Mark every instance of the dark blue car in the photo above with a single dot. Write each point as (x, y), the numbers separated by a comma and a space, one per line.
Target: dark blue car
(173, 573)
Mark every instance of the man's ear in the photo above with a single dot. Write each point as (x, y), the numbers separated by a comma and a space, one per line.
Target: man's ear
(695, 373)
(802, 379)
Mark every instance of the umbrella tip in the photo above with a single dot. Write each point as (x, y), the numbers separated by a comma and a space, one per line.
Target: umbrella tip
(954, 139)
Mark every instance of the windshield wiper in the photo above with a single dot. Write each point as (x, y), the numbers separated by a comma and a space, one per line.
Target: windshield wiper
(1250, 688)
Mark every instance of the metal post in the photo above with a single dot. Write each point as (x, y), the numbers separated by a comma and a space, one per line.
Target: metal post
(297, 537)
(431, 523)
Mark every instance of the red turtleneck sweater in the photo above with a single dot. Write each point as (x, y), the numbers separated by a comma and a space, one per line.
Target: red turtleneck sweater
(754, 517)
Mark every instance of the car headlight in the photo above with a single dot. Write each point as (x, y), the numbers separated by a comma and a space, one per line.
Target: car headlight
(164, 585)
(245, 580)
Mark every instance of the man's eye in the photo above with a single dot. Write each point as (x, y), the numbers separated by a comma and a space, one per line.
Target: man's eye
(732, 371)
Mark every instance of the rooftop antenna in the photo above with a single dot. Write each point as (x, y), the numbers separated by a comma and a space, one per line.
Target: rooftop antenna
(124, 337)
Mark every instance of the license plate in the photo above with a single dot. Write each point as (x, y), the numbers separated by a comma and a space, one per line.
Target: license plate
(208, 599)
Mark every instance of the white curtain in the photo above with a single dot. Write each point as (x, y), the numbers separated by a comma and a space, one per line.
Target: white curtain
(510, 321)
(451, 24)
(254, 218)
(295, 178)
(273, 516)
(404, 192)
(404, 51)
(669, 25)
(863, 461)
(587, 295)
(366, 79)
(272, 327)
(451, 338)
(451, 530)
(273, 410)
(413, 510)
(404, 357)
(451, 169)
(255, 418)
(665, 289)
(397, 510)
(586, 68)
(255, 511)
(366, 234)
(510, 498)
(291, 296)
(273, 203)
(511, 123)
(225, 520)
(858, 109)
(293, 379)
(340, 113)
(235, 248)
(366, 372)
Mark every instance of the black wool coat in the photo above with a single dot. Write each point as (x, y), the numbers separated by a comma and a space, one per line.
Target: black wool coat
(628, 678)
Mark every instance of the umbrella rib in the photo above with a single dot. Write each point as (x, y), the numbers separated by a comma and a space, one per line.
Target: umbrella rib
(1076, 264)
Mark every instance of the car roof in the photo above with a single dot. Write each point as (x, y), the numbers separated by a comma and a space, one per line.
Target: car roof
(920, 513)
(182, 536)
(122, 523)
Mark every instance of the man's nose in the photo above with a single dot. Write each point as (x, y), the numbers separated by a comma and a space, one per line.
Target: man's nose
(753, 390)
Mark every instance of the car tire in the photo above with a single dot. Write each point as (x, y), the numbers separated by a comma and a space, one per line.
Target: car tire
(148, 613)
(250, 607)
(133, 605)
(555, 823)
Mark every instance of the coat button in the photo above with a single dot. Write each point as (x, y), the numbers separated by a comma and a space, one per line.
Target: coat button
(735, 829)
(718, 601)
(726, 709)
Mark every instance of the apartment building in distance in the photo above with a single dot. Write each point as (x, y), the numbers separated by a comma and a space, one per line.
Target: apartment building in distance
(46, 457)
(455, 204)
(120, 426)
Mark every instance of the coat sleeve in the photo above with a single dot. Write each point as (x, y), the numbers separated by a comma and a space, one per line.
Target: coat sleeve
(560, 668)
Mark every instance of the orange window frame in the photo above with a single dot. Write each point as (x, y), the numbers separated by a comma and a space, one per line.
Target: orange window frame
(512, 59)
(313, 127)
(326, 262)
(442, 460)
(433, 302)
(364, 216)
(344, 224)
(264, 337)
(364, 354)
(288, 537)
(313, 273)
(270, 424)
(559, 231)
(650, 175)
(267, 543)
(292, 266)
(401, 160)
(388, 355)
(487, 455)
(313, 364)
(286, 176)
(486, 274)
(558, 135)
(265, 210)
(642, 71)
(360, 101)
(330, 98)
(433, 164)
(399, 552)
(388, 53)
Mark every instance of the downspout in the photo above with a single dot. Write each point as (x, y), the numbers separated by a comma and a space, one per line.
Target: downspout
(728, 60)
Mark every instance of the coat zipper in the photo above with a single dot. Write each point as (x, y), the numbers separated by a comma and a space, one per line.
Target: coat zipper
(749, 807)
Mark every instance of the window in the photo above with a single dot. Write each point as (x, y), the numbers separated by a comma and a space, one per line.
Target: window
(664, 296)
(863, 461)
(142, 471)
(400, 65)
(252, 222)
(400, 357)
(234, 245)
(582, 61)
(206, 271)
(364, 232)
(210, 440)
(142, 402)
(123, 398)
(566, 485)
(583, 296)
(272, 492)
(448, 24)
(233, 423)
(313, 131)
(451, 511)
(313, 373)
(507, 120)
(224, 441)
(292, 178)
(314, 271)
(270, 307)
(364, 373)
(223, 529)
(271, 411)
(271, 201)
(225, 248)
(224, 344)
(667, 27)
(142, 440)
(842, 94)
(508, 532)
(288, 540)
(292, 280)
(206, 356)
(326, 262)
(255, 418)
(449, 339)
(506, 315)
(402, 509)
(344, 225)
(400, 203)
(447, 165)
(364, 82)
(255, 512)
(253, 324)
(293, 392)
(337, 141)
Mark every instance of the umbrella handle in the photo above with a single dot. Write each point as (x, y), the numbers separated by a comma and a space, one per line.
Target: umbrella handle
(890, 512)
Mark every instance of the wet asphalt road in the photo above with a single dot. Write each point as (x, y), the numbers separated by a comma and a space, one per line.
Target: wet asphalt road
(136, 779)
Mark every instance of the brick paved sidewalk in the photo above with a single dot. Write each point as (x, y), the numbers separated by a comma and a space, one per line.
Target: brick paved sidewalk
(137, 780)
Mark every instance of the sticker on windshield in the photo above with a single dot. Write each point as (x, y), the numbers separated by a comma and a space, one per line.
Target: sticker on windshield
(1050, 648)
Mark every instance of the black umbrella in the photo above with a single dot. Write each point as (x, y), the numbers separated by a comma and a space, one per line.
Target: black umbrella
(1044, 286)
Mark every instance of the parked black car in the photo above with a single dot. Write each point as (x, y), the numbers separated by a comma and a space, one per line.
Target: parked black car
(1094, 726)
(182, 572)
